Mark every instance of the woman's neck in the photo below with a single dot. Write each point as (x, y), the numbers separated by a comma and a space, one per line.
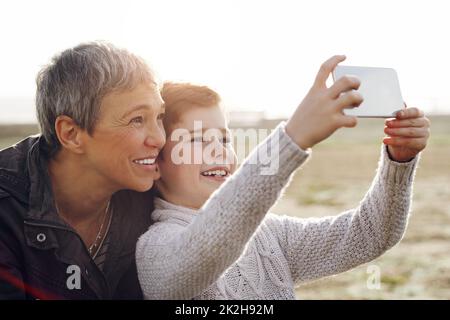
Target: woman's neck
(80, 195)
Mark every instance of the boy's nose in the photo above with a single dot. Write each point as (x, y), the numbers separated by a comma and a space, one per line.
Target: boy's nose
(220, 153)
(218, 149)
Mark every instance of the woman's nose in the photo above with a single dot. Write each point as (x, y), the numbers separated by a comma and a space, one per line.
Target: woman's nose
(156, 136)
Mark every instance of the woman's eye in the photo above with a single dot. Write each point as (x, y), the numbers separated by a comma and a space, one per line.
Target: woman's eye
(137, 120)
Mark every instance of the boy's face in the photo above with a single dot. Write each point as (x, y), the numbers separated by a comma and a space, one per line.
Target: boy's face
(207, 155)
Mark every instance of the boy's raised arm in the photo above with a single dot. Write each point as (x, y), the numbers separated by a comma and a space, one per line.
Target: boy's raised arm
(320, 247)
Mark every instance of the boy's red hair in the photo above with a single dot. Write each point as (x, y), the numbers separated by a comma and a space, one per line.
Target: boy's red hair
(180, 97)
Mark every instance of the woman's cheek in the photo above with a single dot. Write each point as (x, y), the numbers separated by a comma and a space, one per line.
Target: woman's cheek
(129, 136)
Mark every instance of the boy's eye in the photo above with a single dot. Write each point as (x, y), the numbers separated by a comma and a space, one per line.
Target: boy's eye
(225, 141)
(197, 139)
(161, 116)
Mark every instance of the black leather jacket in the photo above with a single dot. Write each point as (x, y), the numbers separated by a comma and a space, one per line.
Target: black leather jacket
(40, 254)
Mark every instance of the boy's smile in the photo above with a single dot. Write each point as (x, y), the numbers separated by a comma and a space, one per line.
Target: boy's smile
(218, 173)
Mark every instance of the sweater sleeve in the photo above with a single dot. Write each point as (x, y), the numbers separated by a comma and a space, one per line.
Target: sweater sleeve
(319, 247)
(190, 259)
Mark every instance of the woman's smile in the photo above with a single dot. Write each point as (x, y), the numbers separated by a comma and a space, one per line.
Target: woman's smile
(147, 164)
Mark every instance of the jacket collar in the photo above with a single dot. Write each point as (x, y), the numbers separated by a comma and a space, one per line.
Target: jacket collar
(24, 175)
(41, 201)
(14, 169)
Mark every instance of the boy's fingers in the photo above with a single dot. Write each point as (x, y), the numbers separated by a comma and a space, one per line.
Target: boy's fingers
(414, 122)
(409, 113)
(344, 84)
(349, 99)
(411, 132)
(413, 143)
(326, 68)
(347, 121)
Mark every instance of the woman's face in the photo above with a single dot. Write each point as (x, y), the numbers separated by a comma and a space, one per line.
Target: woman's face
(207, 155)
(127, 138)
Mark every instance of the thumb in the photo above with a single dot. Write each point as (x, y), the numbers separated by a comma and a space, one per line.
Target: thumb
(326, 68)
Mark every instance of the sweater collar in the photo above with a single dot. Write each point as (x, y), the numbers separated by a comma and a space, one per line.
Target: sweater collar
(165, 210)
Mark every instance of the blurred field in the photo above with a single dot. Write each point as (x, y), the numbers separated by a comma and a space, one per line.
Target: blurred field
(336, 178)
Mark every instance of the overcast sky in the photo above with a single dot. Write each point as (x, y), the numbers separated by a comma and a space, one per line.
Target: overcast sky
(259, 55)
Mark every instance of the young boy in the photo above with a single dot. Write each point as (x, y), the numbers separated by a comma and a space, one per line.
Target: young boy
(199, 247)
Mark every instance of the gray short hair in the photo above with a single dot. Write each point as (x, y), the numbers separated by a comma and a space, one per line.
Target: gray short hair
(77, 79)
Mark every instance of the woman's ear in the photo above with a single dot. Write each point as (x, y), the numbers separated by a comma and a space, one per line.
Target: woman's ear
(69, 134)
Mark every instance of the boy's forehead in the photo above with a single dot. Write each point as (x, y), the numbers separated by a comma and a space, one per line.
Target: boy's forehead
(202, 118)
(199, 129)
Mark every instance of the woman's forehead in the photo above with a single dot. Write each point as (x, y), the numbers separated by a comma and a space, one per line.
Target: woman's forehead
(124, 102)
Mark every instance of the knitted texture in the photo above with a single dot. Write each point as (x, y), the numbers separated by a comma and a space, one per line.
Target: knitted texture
(215, 252)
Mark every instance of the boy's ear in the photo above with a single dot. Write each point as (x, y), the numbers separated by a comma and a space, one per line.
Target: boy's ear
(69, 134)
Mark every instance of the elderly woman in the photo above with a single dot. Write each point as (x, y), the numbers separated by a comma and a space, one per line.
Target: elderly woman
(71, 206)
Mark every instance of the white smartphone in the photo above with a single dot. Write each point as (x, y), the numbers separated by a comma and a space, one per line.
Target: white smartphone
(380, 89)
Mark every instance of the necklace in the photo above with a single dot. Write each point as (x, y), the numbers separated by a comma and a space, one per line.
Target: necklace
(95, 246)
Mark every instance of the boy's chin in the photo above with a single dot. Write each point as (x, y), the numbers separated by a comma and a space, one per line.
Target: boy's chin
(208, 193)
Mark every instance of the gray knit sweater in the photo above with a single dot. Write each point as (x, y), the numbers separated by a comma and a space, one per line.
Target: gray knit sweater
(215, 253)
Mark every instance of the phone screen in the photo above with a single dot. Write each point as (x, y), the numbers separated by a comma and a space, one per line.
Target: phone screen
(379, 87)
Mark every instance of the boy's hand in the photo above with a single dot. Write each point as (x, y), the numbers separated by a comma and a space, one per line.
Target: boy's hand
(321, 111)
(407, 134)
